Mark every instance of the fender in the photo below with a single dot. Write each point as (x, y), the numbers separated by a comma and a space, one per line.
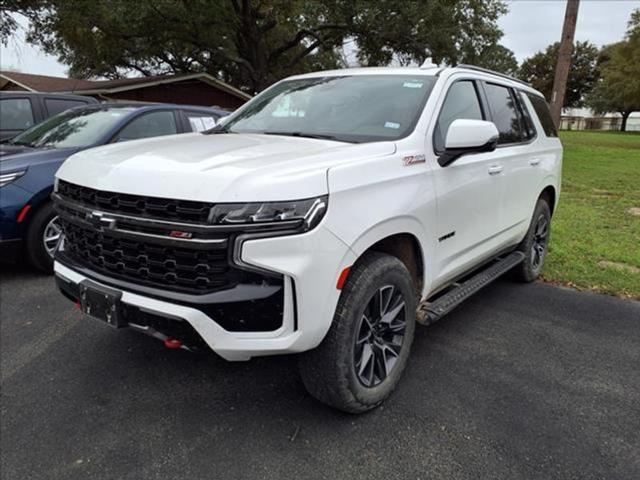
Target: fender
(395, 226)
(36, 201)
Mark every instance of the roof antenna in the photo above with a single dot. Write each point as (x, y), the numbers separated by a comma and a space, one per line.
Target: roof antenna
(428, 63)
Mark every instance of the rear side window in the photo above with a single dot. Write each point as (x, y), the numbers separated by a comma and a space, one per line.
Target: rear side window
(57, 105)
(152, 124)
(16, 114)
(542, 111)
(527, 121)
(461, 103)
(504, 113)
(199, 122)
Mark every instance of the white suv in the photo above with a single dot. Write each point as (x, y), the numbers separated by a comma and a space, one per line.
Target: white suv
(325, 216)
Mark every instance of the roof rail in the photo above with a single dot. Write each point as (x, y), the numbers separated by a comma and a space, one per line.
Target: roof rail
(492, 72)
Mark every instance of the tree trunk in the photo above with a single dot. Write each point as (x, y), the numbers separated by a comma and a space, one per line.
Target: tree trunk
(623, 125)
(564, 60)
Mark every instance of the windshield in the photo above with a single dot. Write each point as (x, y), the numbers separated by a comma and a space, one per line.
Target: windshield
(359, 108)
(73, 128)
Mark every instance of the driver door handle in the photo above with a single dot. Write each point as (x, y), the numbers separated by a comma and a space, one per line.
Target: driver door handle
(495, 169)
(534, 161)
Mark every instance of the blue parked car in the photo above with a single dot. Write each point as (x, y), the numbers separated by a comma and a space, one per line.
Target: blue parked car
(29, 161)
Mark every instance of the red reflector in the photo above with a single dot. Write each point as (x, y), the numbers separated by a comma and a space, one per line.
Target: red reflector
(342, 279)
(172, 343)
(23, 213)
(78, 306)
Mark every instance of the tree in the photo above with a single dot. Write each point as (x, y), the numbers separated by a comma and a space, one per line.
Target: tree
(539, 70)
(449, 32)
(8, 11)
(252, 43)
(619, 88)
(498, 58)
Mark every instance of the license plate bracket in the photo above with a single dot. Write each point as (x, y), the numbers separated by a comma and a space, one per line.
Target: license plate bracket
(102, 303)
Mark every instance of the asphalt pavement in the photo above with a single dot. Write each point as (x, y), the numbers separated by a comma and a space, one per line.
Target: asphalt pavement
(520, 382)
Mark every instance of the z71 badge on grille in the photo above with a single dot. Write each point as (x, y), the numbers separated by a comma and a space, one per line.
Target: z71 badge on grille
(178, 234)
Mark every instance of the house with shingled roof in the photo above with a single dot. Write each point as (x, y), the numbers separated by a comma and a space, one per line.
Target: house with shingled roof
(188, 89)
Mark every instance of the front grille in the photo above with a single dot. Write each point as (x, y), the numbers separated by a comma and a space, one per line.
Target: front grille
(116, 239)
(132, 249)
(142, 206)
(144, 262)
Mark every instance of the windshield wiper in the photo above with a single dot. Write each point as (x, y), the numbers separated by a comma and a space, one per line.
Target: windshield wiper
(306, 135)
(22, 144)
(218, 129)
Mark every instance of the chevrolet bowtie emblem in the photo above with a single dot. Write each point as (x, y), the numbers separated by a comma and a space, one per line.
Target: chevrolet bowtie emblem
(98, 219)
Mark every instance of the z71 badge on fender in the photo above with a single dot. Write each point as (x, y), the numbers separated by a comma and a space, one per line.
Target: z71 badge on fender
(413, 159)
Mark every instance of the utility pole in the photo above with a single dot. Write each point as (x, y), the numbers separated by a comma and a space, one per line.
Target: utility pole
(564, 60)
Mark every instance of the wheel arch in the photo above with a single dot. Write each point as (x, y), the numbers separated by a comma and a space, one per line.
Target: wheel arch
(549, 194)
(404, 244)
(37, 201)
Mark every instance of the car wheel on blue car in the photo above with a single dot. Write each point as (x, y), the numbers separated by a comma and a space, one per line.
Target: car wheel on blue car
(42, 238)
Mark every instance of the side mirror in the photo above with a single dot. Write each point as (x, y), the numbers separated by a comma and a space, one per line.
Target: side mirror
(468, 136)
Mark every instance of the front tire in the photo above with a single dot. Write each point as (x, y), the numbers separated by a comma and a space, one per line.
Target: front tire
(535, 244)
(360, 361)
(42, 238)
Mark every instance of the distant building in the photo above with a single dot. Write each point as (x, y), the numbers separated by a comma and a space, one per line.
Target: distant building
(189, 89)
(585, 119)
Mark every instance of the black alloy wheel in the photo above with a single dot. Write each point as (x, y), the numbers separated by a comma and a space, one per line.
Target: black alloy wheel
(380, 336)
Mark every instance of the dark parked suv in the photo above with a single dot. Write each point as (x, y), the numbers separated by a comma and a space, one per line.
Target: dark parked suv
(22, 110)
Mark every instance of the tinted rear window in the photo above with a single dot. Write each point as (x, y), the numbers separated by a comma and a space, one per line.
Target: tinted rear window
(542, 111)
(58, 105)
(504, 113)
(149, 125)
(527, 121)
(15, 114)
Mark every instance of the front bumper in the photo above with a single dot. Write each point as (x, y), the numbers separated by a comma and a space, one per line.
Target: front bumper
(310, 264)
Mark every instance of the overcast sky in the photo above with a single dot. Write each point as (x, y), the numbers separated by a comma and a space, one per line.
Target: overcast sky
(532, 25)
(529, 26)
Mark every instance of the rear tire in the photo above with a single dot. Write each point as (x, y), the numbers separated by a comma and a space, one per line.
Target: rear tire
(361, 359)
(41, 238)
(535, 244)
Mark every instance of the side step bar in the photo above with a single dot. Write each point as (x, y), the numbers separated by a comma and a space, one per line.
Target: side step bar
(430, 312)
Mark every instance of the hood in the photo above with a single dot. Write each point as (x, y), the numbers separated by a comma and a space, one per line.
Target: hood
(8, 149)
(217, 168)
(26, 157)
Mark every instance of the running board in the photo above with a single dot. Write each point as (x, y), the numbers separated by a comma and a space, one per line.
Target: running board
(430, 312)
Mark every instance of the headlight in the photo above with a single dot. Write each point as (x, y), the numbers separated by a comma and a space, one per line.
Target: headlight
(7, 178)
(304, 214)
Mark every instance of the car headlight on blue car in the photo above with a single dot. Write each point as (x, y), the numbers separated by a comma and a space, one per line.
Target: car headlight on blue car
(7, 178)
(304, 214)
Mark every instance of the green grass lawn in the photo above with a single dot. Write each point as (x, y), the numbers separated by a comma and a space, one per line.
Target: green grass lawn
(595, 242)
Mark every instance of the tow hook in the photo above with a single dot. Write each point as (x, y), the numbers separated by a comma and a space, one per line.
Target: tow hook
(169, 342)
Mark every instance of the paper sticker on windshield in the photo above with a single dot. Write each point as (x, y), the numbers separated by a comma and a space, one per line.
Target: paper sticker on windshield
(413, 84)
(393, 125)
